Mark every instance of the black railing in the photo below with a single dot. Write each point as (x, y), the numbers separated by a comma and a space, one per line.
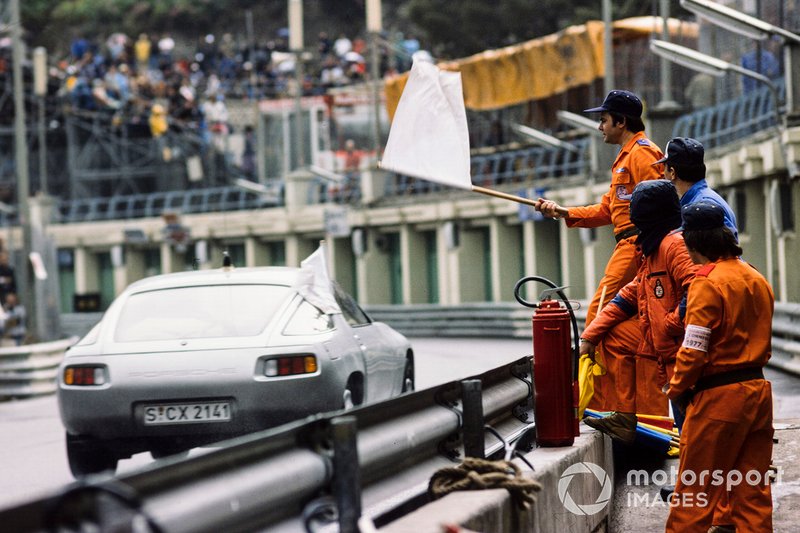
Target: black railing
(731, 120)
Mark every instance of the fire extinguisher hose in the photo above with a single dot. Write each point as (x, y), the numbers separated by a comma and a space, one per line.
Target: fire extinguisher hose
(560, 292)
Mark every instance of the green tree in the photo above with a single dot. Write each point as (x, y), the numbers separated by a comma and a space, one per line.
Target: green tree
(54, 23)
(447, 28)
(456, 29)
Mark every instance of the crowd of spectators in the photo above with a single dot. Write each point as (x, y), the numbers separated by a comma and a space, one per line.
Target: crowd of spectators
(151, 83)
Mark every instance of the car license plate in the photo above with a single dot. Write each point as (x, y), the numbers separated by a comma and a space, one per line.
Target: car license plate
(187, 413)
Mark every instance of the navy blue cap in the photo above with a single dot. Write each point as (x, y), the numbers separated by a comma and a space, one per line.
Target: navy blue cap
(702, 215)
(622, 102)
(683, 151)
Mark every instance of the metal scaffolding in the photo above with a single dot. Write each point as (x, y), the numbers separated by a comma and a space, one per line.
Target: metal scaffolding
(106, 158)
(92, 156)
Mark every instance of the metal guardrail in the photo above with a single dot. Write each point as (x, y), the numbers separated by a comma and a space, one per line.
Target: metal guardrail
(486, 320)
(732, 120)
(786, 338)
(339, 464)
(30, 370)
(189, 201)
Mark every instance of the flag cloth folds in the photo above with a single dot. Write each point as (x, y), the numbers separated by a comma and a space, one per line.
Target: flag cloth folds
(429, 138)
(587, 370)
(315, 283)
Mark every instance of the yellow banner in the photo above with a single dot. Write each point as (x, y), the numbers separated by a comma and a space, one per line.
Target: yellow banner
(541, 67)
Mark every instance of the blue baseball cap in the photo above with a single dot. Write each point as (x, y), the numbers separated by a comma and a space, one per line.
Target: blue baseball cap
(683, 151)
(622, 102)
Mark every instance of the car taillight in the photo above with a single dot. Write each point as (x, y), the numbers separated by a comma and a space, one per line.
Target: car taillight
(85, 375)
(290, 366)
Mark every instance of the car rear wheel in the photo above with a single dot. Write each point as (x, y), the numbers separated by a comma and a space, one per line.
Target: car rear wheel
(168, 451)
(408, 375)
(86, 456)
(353, 392)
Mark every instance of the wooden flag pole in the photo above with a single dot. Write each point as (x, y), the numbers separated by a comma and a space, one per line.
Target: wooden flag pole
(505, 196)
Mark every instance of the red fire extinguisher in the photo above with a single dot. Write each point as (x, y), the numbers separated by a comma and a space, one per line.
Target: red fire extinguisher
(554, 367)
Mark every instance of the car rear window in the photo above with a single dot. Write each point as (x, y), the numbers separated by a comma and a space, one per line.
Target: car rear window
(209, 311)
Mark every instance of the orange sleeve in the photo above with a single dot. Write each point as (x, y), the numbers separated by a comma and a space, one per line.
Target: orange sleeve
(591, 216)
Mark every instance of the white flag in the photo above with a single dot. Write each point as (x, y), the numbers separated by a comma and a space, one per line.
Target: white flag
(315, 283)
(429, 138)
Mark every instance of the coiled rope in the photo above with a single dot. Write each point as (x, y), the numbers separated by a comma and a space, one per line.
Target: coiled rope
(479, 474)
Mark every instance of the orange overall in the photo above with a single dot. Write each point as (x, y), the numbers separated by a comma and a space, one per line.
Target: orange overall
(727, 436)
(654, 295)
(632, 166)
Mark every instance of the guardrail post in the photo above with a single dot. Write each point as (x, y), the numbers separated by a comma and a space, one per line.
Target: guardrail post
(346, 483)
(472, 401)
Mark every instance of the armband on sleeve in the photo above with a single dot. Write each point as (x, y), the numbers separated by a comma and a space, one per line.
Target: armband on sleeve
(697, 338)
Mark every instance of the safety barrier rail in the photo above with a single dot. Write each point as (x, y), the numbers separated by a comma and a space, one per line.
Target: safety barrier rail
(343, 464)
(786, 337)
(323, 191)
(485, 320)
(30, 370)
(731, 120)
(205, 200)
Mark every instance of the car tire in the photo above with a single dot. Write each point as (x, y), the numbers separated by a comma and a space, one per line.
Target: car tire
(87, 457)
(168, 451)
(353, 394)
(408, 375)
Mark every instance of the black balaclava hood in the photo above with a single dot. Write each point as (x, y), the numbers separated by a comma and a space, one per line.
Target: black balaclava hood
(655, 210)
